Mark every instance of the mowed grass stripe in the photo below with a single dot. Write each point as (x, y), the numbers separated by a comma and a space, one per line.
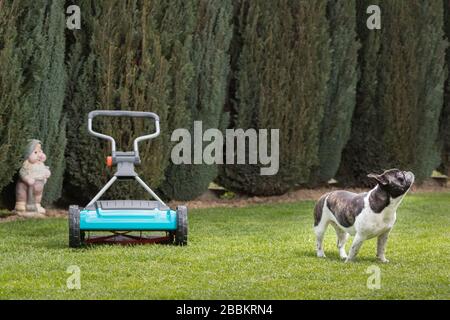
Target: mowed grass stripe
(256, 252)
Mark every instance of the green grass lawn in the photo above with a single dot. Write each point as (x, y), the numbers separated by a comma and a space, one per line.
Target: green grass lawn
(258, 252)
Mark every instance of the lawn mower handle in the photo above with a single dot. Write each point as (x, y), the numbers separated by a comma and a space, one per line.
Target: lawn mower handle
(120, 113)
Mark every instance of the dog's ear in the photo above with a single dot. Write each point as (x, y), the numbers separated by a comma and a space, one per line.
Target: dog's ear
(381, 178)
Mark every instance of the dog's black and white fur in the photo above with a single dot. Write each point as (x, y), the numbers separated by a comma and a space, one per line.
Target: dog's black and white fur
(364, 215)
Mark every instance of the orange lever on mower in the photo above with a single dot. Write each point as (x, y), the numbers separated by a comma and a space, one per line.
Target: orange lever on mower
(109, 162)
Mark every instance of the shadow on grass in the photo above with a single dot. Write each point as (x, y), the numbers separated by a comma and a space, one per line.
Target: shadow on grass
(63, 246)
(57, 244)
(334, 256)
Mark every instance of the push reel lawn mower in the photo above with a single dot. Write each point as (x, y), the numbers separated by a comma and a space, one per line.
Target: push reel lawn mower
(126, 220)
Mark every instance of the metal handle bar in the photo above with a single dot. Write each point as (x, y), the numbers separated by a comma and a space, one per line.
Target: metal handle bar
(119, 113)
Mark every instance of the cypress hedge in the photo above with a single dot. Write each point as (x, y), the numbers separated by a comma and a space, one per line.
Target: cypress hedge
(15, 113)
(445, 115)
(364, 152)
(280, 83)
(134, 56)
(400, 93)
(44, 23)
(431, 79)
(37, 77)
(341, 98)
(288, 65)
(210, 58)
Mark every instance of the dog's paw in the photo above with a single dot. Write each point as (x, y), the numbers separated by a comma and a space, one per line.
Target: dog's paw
(321, 255)
(343, 254)
(383, 259)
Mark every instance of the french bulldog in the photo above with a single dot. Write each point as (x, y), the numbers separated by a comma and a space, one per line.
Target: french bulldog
(363, 215)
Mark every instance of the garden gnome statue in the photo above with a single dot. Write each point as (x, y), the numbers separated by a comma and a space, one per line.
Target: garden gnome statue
(33, 176)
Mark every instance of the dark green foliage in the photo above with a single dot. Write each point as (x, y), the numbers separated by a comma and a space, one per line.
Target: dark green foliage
(336, 124)
(175, 57)
(135, 56)
(37, 80)
(445, 115)
(15, 114)
(79, 98)
(430, 48)
(45, 24)
(210, 59)
(364, 152)
(281, 83)
(400, 93)
(288, 65)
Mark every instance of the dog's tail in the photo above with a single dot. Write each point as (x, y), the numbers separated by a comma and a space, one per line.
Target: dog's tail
(319, 208)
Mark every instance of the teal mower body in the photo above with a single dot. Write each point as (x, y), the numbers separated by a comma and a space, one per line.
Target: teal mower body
(128, 218)
(126, 221)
